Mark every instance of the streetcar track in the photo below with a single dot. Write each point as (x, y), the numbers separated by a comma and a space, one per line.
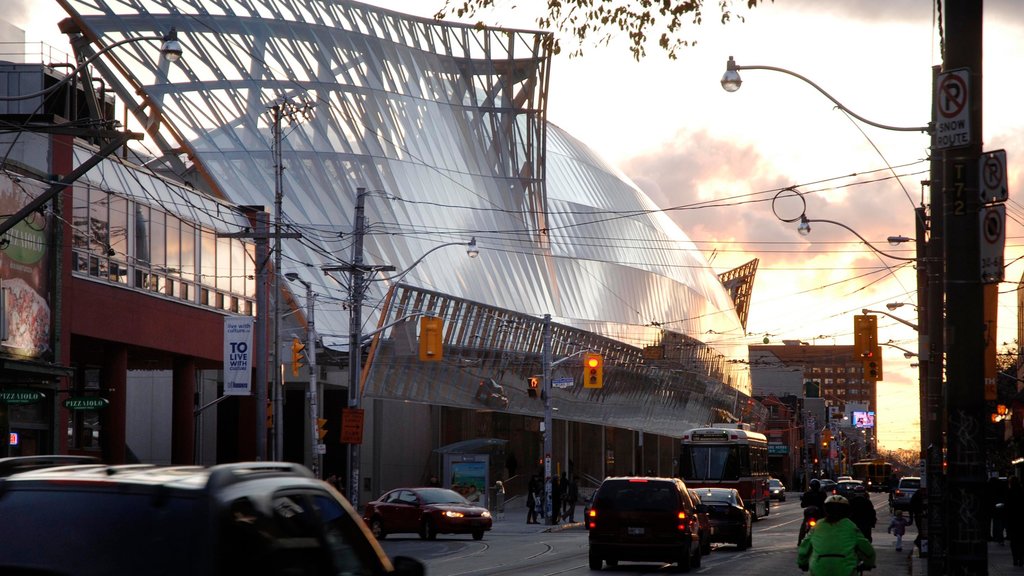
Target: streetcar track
(511, 569)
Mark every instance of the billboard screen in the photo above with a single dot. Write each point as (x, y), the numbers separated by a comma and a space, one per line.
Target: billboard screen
(863, 419)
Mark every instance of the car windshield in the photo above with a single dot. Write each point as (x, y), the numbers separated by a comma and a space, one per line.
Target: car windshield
(910, 484)
(775, 483)
(441, 496)
(634, 496)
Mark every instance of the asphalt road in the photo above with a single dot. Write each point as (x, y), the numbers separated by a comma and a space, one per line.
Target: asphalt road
(513, 547)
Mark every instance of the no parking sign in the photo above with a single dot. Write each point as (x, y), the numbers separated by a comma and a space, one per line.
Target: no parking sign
(993, 239)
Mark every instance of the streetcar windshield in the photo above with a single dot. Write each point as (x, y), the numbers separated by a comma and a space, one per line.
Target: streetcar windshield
(710, 462)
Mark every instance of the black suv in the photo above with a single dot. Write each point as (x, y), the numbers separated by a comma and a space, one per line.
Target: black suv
(259, 518)
(643, 520)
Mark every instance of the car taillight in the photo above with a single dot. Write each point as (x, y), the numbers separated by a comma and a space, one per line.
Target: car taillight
(812, 522)
(682, 515)
(592, 513)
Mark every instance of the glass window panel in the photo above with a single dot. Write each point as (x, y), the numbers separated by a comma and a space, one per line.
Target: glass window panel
(80, 218)
(158, 240)
(238, 258)
(208, 260)
(250, 270)
(99, 224)
(173, 245)
(188, 252)
(119, 227)
(142, 234)
(223, 264)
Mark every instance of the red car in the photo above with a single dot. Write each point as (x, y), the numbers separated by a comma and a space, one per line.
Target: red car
(427, 512)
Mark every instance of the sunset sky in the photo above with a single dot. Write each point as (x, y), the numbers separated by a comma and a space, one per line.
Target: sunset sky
(714, 159)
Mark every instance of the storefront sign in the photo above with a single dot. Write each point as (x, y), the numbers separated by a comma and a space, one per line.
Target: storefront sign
(21, 396)
(774, 449)
(86, 403)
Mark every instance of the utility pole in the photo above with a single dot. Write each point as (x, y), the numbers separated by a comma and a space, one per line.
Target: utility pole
(930, 353)
(261, 235)
(357, 289)
(960, 88)
(548, 432)
(278, 196)
(314, 393)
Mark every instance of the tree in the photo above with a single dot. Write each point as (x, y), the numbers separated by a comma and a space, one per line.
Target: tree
(600, 20)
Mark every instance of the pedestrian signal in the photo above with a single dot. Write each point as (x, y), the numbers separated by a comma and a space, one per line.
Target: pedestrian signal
(593, 370)
(865, 335)
(320, 430)
(534, 386)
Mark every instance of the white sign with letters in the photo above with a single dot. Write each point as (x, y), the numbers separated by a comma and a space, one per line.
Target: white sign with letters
(238, 355)
(952, 107)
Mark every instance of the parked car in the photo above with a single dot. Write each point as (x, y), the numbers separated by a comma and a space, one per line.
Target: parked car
(427, 512)
(703, 521)
(904, 492)
(850, 489)
(730, 520)
(776, 489)
(643, 520)
(270, 518)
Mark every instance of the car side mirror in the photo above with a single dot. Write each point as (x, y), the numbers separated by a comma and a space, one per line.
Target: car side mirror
(406, 566)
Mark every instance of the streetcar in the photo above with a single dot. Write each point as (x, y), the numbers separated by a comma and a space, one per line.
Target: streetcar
(874, 473)
(728, 456)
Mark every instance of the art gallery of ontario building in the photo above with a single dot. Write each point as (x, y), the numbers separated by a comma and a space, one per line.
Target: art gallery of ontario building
(327, 169)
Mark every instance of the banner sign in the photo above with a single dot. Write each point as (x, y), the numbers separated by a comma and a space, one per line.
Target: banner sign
(238, 355)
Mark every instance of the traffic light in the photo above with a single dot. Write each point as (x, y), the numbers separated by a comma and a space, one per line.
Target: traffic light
(593, 370)
(534, 386)
(431, 338)
(873, 364)
(865, 335)
(320, 430)
(297, 356)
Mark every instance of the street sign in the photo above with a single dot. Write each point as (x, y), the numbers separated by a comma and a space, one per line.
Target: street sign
(952, 105)
(321, 448)
(563, 383)
(992, 176)
(993, 239)
(351, 425)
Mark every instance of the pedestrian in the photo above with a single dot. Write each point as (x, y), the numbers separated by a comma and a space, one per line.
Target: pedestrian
(556, 500)
(572, 496)
(898, 527)
(531, 501)
(1013, 519)
(995, 493)
(862, 512)
(917, 514)
(499, 498)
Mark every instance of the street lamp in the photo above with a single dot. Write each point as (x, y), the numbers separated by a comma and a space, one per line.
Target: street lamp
(896, 318)
(360, 275)
(731, 82)
(313, 392)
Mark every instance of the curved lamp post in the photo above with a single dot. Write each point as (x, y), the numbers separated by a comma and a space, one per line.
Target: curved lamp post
(357, 288)
(731, 82)
(865, 311)
(170, 49)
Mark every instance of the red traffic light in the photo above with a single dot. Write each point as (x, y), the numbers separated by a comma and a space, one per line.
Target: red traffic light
(593, 362)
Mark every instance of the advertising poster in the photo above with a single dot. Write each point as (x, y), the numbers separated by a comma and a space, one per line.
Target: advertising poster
(238, 355)
(24, 271)
(467, 475)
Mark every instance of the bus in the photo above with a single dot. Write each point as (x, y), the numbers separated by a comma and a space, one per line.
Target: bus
(728, 456)
(874, 473)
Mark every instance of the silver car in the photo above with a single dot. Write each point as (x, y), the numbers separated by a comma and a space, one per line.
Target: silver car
(904, 492)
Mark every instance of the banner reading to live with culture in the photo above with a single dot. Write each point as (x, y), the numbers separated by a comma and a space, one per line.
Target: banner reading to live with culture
(238, 355)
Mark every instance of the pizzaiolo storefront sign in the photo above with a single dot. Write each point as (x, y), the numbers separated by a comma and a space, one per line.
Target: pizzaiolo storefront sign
(21, 396)
(86, 403)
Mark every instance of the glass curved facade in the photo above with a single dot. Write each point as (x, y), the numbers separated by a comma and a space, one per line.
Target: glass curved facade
(444, 126)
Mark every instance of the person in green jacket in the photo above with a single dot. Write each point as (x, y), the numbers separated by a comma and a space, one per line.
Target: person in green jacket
(835, 546)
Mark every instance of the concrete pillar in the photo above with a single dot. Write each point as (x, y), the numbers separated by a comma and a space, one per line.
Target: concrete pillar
(183, 423)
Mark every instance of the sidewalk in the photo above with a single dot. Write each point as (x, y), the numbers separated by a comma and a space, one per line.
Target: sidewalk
(513, 521)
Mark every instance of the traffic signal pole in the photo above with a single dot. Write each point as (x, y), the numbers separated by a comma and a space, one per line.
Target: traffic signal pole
(548, 432)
